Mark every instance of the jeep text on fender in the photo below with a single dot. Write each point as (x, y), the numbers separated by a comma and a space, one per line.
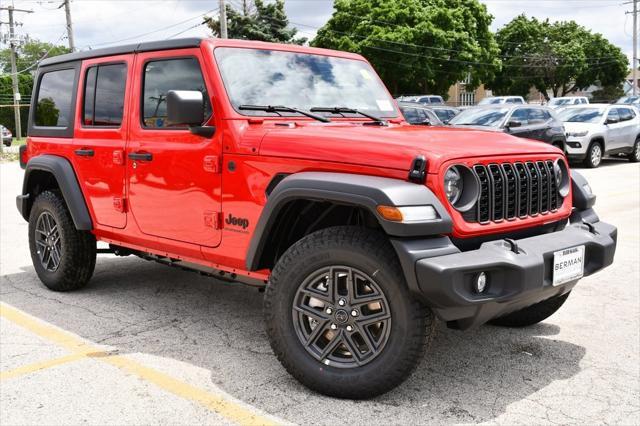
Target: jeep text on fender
(291, 169)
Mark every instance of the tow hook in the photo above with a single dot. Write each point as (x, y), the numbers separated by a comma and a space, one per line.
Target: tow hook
(513, 245)
(590, 226)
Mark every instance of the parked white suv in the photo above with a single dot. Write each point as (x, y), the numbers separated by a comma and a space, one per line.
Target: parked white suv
(566, 101)
(596, 130)
(494, 100)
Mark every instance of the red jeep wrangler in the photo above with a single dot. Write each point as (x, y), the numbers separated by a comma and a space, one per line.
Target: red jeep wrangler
(291, 169)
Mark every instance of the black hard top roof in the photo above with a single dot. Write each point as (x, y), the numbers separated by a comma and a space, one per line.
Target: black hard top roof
(121, 50)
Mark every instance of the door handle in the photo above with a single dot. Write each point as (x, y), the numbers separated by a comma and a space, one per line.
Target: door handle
(84, 152)
(140, 156)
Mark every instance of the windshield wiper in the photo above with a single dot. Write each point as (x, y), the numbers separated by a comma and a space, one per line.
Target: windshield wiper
(281, 108)
(346, 110)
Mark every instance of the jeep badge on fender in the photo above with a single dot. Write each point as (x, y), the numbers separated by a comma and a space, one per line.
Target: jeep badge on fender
(362, 229)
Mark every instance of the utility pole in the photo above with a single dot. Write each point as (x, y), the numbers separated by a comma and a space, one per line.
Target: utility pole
(223, 20)
(634, 64)
(67, 12)
(13, 42)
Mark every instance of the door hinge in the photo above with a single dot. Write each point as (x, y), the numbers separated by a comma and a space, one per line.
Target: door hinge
(211, 163)
(120, 204)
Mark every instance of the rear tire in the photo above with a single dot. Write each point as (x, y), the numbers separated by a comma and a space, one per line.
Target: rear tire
(532, 314)
(390, 348)
(594, 155)
(63, 257)
(634, 157)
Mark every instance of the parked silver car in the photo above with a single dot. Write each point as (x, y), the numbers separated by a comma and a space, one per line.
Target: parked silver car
(7, 137)
(495, 100)
(596, 130)
(567, 101)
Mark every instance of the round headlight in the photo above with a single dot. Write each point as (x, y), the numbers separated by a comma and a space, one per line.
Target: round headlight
(453, 184)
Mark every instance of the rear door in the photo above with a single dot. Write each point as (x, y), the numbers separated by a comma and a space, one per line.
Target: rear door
(174, 176)
(614, 130)
(629, 127)
(100, 136)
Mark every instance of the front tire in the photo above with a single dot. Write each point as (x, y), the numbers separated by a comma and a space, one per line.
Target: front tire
(532, 314)
(634, 157)
(594, 155)
(340, 317)
(63, 257)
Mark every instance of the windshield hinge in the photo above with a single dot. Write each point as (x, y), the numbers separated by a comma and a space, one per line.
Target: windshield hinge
(417, 172)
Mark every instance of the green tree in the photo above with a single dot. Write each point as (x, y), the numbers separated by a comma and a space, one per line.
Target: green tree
(416, 45)
(559, 57)
(607, 94)
(25, 86)
(28, 54)
(258, 20)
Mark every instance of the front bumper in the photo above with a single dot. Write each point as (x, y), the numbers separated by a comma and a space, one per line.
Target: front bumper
(515, 280)
(577, 147)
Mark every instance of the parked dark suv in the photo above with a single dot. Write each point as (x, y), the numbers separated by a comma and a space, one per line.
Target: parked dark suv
(524, 121)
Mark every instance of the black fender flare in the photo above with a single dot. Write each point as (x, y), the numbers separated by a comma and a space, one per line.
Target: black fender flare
(62, 171)
(582, 198)
(350, 189)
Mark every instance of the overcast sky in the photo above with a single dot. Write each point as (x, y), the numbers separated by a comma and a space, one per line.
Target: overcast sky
(100, 23)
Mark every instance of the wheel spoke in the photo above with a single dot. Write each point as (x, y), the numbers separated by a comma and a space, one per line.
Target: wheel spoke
(353, 348)
(332, 345)
(310, 312)
(368, 341)
(316, 294)
(374, 318)
(55, 256)
(368, 299)
(317, 332)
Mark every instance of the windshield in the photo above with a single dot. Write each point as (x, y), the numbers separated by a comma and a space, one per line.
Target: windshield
(629, 100)
(491, 117)
(302, 81)
(490, 101)
(559, 101)
(581, 115)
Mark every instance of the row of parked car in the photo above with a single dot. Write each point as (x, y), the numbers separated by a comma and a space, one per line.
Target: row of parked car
(585, 132)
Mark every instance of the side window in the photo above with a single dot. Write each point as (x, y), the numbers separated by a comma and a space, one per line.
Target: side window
(104, 95)
(613, 115)
(625, 114)
(520, 115)
(538, 116)
(53, 106)
(160, 77)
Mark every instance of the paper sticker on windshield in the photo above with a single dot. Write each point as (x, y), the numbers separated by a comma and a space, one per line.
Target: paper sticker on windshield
(365, 74)
(384, 105)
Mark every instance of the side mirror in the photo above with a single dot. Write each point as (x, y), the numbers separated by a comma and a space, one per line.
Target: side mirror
(186, 107)
(611, 121)
(426, 122)
(513, 123)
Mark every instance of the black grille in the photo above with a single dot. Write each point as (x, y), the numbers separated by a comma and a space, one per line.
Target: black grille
(514, 190)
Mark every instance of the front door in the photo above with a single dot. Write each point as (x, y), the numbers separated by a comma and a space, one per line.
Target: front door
(174, 175)
(100, 136)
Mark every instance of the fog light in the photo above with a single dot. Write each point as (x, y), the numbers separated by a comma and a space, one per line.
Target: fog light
(480, 282)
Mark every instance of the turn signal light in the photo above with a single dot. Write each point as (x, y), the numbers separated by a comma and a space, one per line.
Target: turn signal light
(392, 214)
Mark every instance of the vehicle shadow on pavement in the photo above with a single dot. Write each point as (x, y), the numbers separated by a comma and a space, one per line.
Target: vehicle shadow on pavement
(142, 307)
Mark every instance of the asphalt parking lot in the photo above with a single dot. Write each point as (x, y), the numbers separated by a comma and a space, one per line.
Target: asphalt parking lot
(147, 344)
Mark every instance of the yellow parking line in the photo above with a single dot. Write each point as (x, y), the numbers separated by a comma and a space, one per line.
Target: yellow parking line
(220, 403)
(32, 368)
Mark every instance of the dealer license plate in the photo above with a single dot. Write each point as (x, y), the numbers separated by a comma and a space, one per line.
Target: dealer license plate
(568, 265)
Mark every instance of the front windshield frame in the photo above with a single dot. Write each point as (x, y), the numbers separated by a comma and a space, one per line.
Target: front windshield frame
(503, 110)
(392, 113)
(596, 119)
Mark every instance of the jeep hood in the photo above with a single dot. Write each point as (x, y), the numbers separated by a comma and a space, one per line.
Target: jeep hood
(394, 146)
(574, 127)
